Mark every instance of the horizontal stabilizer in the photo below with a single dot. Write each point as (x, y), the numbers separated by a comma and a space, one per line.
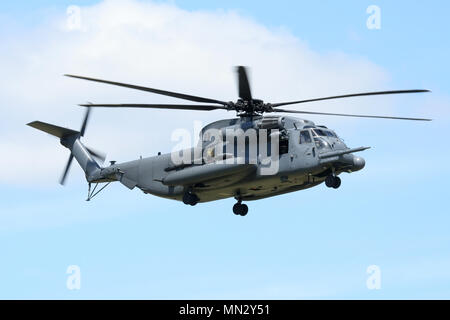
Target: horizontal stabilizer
(56, 131)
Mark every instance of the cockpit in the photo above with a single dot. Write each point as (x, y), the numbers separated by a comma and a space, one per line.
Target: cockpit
(323, 133)
(291, 132)
(322, 137)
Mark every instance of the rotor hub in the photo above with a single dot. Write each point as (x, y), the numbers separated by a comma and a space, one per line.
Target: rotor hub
(246, 108)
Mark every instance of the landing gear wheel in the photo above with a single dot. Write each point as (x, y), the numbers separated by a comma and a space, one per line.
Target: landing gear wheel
(244, 210)
(236, 209)
(190, 199)
(240, 209)
(337, 182)
(329, 181)
(333, 181)
(186, 198)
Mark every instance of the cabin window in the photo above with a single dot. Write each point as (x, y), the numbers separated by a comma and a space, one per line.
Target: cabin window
(305, 137)
(283, 146)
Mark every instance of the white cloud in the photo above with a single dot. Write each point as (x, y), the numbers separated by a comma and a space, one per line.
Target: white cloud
(157, 45)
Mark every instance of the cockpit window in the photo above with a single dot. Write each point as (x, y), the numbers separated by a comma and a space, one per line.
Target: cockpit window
(305, 137)
(321, 143)
(330, 134)
(323, 133)
(319, 132)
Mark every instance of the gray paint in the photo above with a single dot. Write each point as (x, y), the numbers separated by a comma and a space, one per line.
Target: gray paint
(304, 166)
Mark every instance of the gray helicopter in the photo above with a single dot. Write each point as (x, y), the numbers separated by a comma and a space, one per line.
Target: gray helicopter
(250, 157)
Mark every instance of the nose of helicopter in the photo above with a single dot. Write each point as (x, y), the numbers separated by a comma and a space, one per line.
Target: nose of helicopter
(358, 163)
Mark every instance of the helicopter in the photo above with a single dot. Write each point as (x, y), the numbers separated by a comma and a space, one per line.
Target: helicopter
(250, 157)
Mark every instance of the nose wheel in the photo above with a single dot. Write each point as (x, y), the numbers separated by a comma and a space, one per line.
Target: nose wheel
(333, 182)
(240, 209)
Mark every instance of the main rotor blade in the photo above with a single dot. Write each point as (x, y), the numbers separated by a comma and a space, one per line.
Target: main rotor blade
(86, 118)
(350, 115)
(158, 106)
(66, 170)
(244, 86)
(157, 91)
(350, 95)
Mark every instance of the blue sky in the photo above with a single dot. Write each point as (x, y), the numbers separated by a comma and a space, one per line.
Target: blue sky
(316, 243)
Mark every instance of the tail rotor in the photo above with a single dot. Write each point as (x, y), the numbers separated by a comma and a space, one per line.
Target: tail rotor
(70, 139)
(62, 181)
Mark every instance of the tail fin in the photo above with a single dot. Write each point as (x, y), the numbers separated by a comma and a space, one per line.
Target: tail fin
(71, 140)
(56, 131)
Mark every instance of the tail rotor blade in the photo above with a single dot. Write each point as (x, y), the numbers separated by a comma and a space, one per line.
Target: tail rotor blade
(86, 118)
(66, 170)
(244, 86)
(98, 154)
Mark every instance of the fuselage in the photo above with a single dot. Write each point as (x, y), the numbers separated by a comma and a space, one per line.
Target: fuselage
(301, 156)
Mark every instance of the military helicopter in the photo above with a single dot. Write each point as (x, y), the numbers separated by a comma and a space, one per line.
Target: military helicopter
(305, 154)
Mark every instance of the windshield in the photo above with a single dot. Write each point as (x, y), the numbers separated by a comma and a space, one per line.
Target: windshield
(323, 133)
(321, 143)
